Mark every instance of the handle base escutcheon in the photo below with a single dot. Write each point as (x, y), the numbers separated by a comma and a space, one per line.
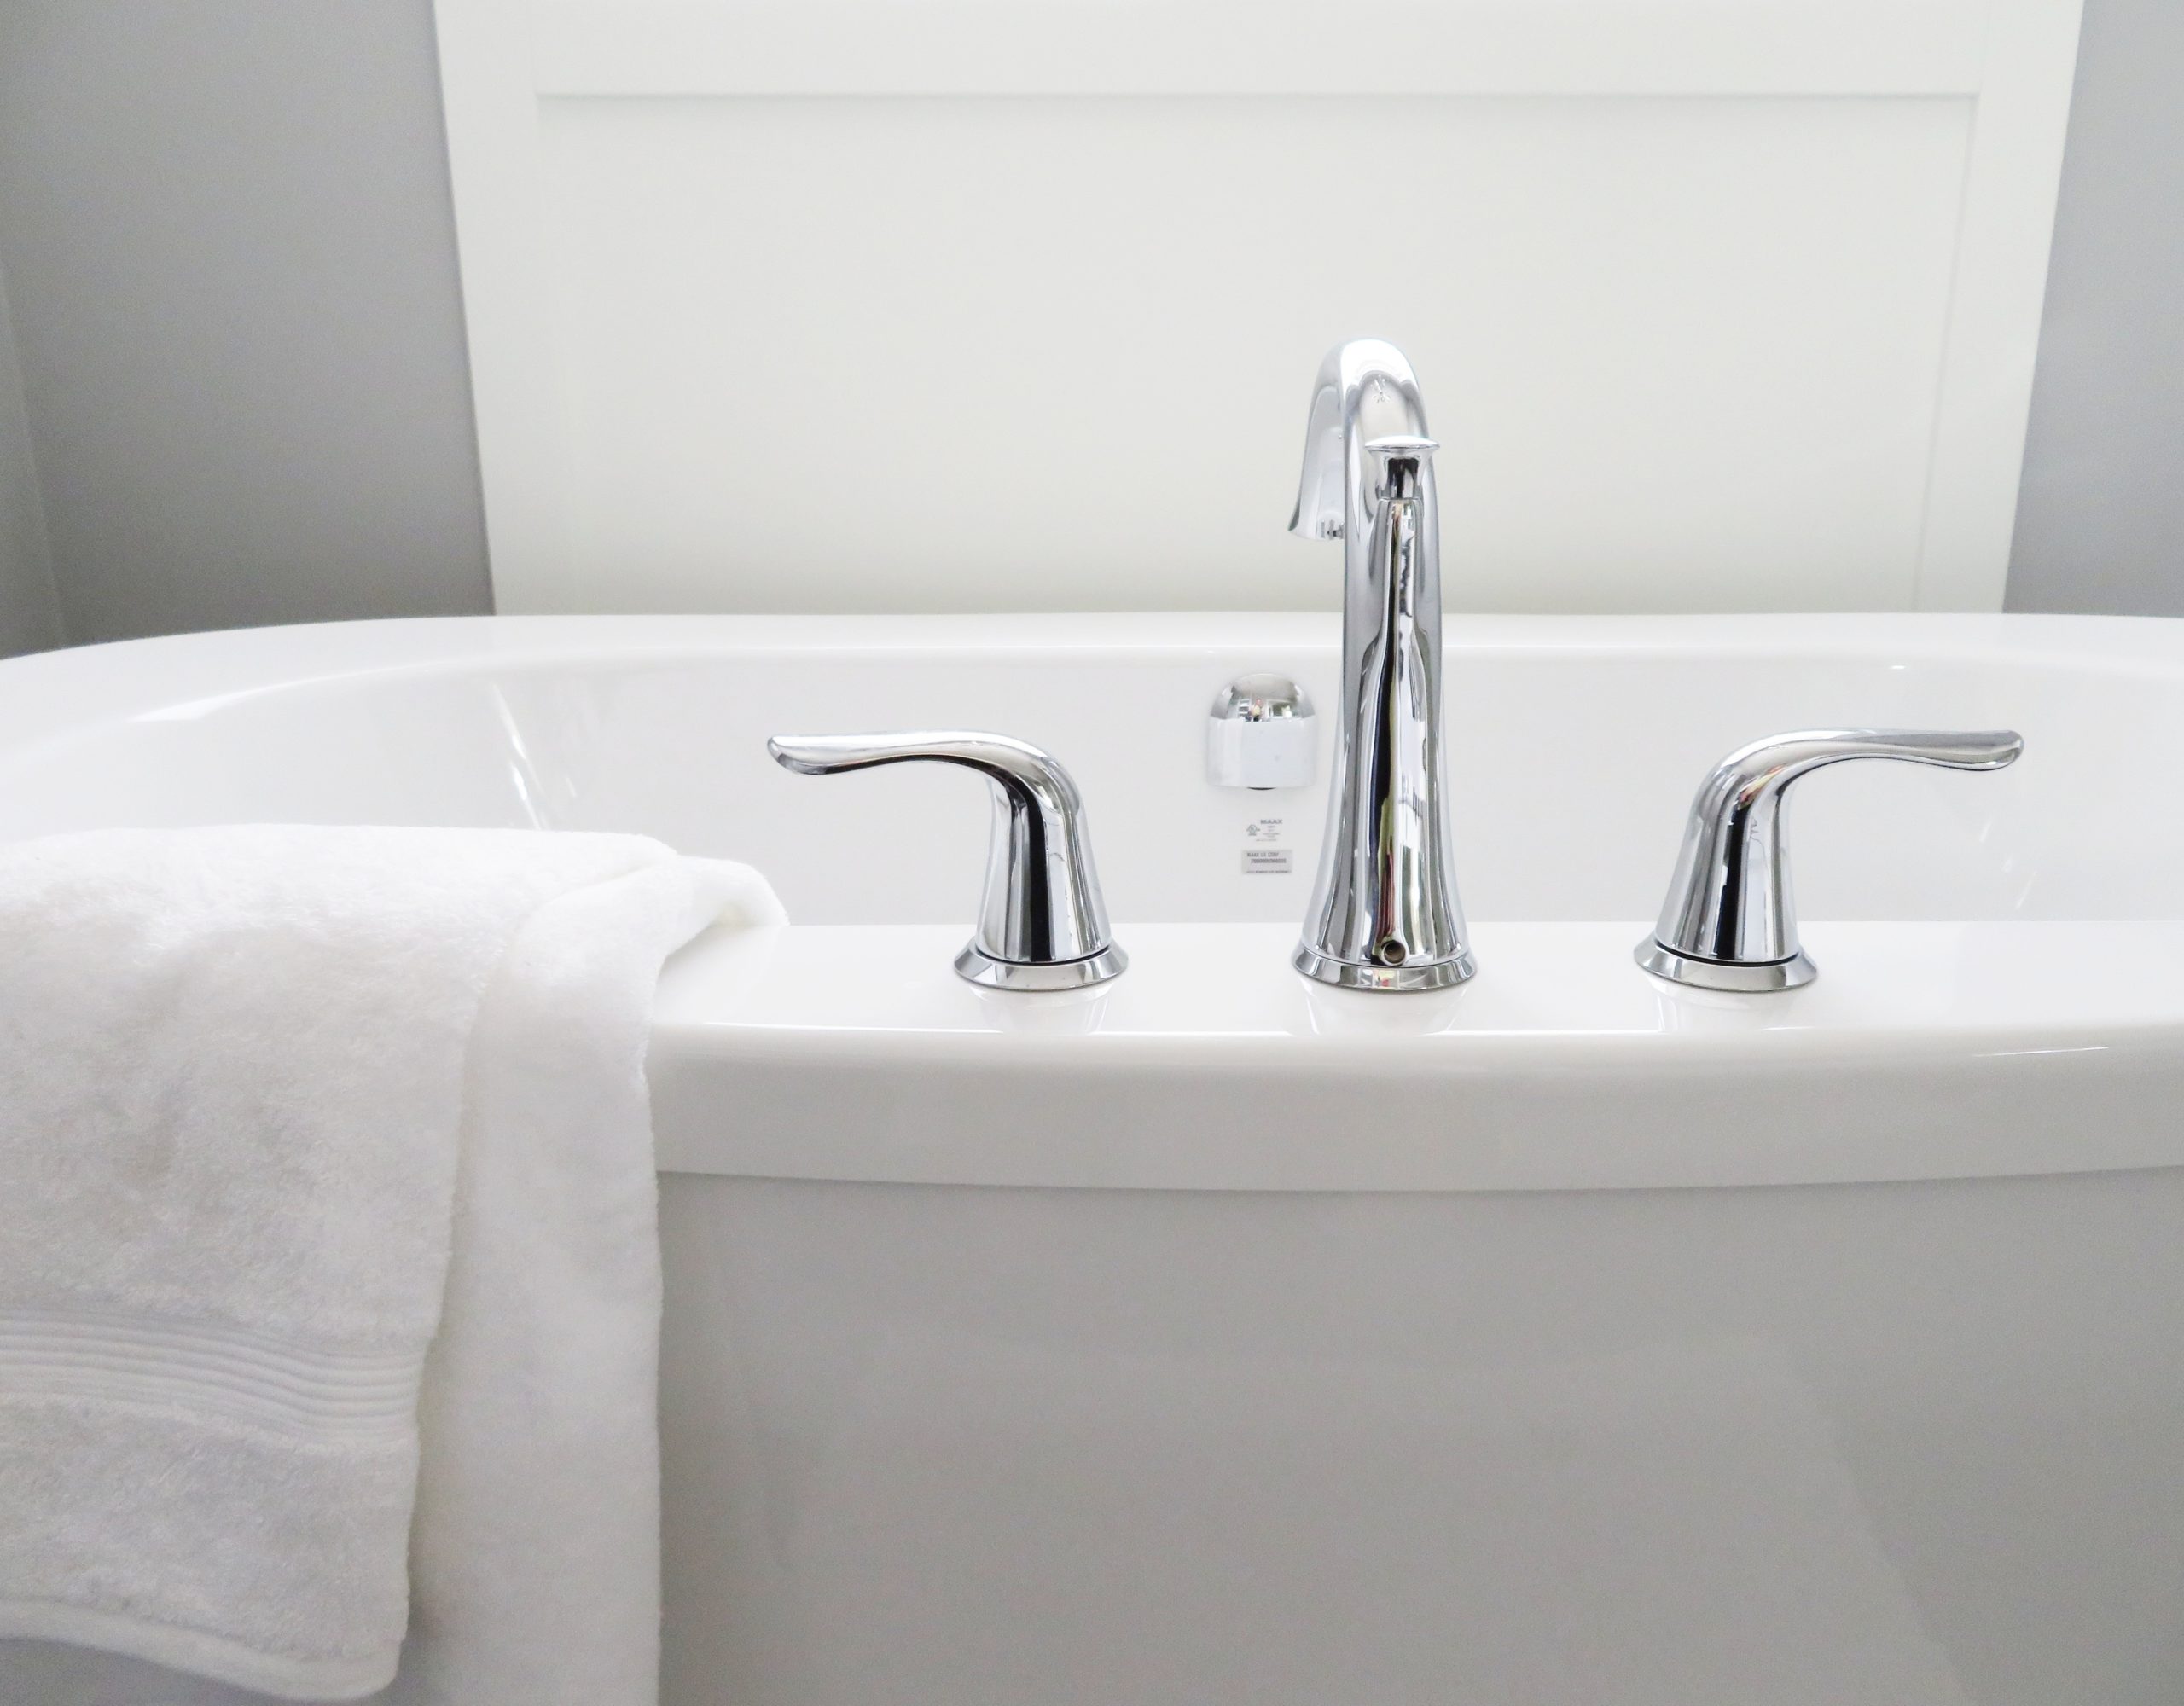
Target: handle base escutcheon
(1408, 977)
(1746, 978)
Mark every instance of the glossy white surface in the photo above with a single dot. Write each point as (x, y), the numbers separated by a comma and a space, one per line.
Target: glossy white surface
(1214, 1336)
(1926, 1051)
(1906, 1445)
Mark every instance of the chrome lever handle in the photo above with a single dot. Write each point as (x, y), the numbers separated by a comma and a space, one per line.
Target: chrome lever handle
(1042, 923)
(1728, 922)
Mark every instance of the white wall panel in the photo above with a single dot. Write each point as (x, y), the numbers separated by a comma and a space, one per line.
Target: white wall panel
(1716, 306)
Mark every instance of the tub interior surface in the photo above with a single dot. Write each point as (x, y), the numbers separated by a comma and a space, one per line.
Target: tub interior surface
(1572, 761)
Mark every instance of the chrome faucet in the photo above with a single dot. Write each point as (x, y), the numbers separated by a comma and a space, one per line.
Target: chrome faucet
(1728, 922)
(1385, 914)
(1042, 924)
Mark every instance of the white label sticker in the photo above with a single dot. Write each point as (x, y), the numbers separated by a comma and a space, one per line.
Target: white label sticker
(1266, 862)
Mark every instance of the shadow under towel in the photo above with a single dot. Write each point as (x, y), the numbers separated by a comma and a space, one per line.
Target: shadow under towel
(316, 1144)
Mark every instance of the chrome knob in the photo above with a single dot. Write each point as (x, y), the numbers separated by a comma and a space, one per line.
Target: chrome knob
(1728, 922)
(1042, 923)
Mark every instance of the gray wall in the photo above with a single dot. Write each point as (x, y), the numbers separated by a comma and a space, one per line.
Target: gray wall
(225, 232)
(30, 610)
(231, 257)
(2101, 514)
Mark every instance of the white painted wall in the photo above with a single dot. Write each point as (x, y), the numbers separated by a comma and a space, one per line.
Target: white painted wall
(1016, 353)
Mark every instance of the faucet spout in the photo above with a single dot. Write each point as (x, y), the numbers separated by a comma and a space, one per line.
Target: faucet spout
(1365, 391)
(1385, 914)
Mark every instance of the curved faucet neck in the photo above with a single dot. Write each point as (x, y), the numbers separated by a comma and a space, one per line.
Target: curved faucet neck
(1366, 390)
(1385, 914)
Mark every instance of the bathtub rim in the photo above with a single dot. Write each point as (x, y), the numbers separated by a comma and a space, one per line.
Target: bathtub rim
(1434, 1138)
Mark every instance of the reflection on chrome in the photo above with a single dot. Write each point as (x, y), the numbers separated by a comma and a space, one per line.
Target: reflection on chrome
(1728, 922)
(1384, 914)
(1042, 924)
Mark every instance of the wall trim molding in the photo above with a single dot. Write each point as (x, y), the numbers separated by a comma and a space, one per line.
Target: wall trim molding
(1257, 47)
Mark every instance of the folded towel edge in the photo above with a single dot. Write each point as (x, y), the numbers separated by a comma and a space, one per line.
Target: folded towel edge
(194, 1651)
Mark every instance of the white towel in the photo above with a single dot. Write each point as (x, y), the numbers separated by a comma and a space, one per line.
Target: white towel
(268, 1098)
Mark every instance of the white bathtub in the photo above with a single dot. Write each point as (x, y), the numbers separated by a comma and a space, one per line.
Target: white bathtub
(1214, 1336)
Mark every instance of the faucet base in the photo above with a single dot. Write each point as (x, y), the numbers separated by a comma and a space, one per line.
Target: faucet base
(1739, 976)
(1348, 974)
(981, 968)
